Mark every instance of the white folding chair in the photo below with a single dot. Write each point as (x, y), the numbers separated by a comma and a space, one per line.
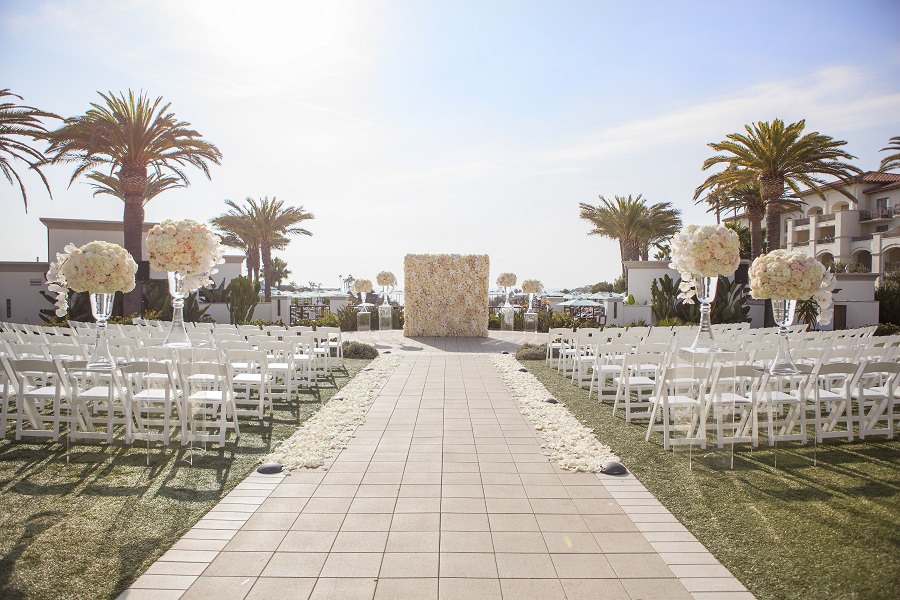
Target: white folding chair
(208, 402)
(607, 365)
(40, 396)
(250, 374)
(637, 376)
(679, 402)
(95, 401)
(875, 393)
(151, 394)
(734, 402)
(830, 399)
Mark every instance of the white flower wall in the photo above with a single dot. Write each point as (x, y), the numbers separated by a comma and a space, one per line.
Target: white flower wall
(446, 295)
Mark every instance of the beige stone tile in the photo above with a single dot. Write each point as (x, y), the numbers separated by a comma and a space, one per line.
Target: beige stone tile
(570, 542)
(532, 589)
(509, 505)
(352, 564)
(295, 564)
(360, 541)
(466, 541)
(281, 588)
(656, 589)
(416, 522)
(307, 541)
(409, 564)
(594, 589)
(418, 505)
(413, 541)
(220, 588)
(623, 542)
(518, 541)
(464, 522)
(610, 523)
(513, 522)
(582, 566)
(637, 566)
(419, 588)
(345, 588)
(265, 541)
(318, 522)
(327, 505)
(238, 564)
(535, 566)
(469, 589)
(480, 565)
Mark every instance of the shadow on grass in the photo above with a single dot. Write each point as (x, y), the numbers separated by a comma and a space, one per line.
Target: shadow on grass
(87, 527)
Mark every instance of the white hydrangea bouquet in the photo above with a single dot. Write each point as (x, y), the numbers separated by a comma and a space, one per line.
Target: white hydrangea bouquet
(362, 286)
(96, 268)
(506, 280)
(532, 286)
(187, 247)
(386, 280)
(785, 275)
(704, 251)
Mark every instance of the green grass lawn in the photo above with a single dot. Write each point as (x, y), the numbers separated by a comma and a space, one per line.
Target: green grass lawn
(89, 527)
(798, 530)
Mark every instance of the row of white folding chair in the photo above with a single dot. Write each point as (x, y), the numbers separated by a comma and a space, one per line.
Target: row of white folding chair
(736, 395)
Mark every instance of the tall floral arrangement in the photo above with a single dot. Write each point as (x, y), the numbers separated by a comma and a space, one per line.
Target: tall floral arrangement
(506, 280)
(362, 286)
(386, 279)
(98, 268)
(532, 286)
(704, 251)
(188, 247)
(786, 275)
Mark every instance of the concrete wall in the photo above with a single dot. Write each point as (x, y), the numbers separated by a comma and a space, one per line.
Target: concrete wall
(641, 275)
(20, 286)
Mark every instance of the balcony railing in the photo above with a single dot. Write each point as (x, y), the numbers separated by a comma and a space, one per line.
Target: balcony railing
(798, 222)
(823, 218)
(892, 234)
(828, 239)
(861, 238)
(806, 243)
(865, 215)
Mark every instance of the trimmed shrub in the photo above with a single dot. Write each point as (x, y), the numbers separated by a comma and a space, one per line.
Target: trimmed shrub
(359, 350)
(531, 352)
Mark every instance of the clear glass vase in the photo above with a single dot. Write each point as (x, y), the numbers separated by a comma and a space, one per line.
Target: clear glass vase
(178, 337)
(706, 292)
(101, 307)
(783, 313)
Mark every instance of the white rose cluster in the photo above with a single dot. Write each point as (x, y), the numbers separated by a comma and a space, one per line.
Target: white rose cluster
(532, 286)
(705, 251)
(362, 286)
(97, 268)
(386, 278)
(446, 295)
(188, 247)
(786, 275)
(506, 280)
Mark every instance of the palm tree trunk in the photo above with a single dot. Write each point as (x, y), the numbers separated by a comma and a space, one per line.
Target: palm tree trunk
(133, 180)
(267, 269)
(756, 240)
(630, 250)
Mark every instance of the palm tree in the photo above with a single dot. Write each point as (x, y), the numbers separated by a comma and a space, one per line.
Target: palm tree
(634, 224)
(131, 135)
(778, 156)
(661, 223)
(238, 230)
(272, 223)
(280, 271)
(748, 198)
(17, 121)
(111, 186)
(891, 161)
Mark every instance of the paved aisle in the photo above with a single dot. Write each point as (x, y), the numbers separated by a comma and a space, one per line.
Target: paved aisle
(443, 493)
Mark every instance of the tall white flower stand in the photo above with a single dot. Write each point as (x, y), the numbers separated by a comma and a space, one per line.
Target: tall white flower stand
(385, 317)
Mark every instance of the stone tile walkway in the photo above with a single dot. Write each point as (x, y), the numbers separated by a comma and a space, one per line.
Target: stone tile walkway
(443, 493)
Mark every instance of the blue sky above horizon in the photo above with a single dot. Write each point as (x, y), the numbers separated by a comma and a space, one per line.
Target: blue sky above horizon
(450, 127)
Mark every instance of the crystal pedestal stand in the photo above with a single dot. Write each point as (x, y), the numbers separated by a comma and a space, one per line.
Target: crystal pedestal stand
(507, 315)
(178, 337)
(363, 321)
(530, 325)
(783, 312)
(101, 307)
(706, 293)
(385, 314)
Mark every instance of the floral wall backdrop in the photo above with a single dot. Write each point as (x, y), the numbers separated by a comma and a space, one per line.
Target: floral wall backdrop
(446, 295)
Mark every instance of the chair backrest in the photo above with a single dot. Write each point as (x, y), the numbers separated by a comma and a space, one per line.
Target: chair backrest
(217, 376)
(255, 361)
(197, 355)
(25, 351)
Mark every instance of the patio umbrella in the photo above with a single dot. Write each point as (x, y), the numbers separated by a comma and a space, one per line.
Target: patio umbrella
(580, 302)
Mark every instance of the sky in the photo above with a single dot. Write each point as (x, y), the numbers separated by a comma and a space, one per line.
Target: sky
(422, 126)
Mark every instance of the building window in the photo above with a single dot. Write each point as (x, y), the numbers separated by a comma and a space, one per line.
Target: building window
(9, 308)
(881, 205)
